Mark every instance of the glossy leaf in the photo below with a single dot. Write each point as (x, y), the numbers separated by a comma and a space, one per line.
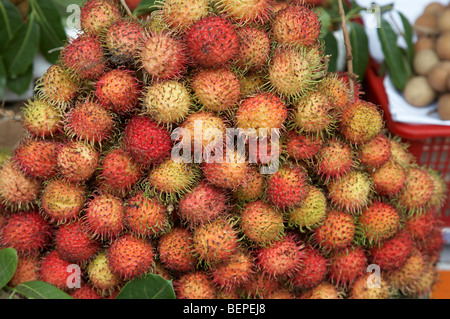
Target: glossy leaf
(331, 49)
(3, 77)
(360, 49)
(10, 22)
(145, 7)
(8, 265)
(41, 290)
(408, 34)
(149, 286)
(21, 83)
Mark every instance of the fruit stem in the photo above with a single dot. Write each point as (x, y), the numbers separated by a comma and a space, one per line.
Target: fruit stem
(348, 47)
(127, 9)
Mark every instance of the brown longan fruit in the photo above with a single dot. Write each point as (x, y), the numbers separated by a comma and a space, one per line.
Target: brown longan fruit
(418, 92)
(444, 107)
(438, 75)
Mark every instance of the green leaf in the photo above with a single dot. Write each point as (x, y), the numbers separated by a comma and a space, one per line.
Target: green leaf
(21, 83)
(360, 49)
(10, 21)
(41, 290)
(144, 7)
(393, 55)
(149, 286)
(3, 77)
(8, 265)
(331, 48)
(50, 22)
(325, 20)
(22, 48)
(408, 34)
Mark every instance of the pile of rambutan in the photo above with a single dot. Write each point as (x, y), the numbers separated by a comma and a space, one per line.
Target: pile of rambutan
(120, 172)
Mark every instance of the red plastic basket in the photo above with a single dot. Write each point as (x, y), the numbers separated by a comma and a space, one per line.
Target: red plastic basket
(430, 144)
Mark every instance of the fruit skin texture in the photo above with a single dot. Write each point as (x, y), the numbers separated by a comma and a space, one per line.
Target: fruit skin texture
(118, 90)
(130, 257)
(376, 152)
(361, 289)
(312, 271)
(74, 244)
(97, 15)
(180, 15)
(145, 216)
(248, 11)
(302, 147)
(282, 259)
(228, 173)
(202, 204)
(389, 180)
(392, 254)
(84, 56)
(104, 216)
(254, 49)
(347, 265)
(41, 119)
(261, 223)
(311, 213)
(334, 159)
(100, 275)
(146, 141)
(37, 158)
(27, 232)
(212, 42)
(194, 285)
(27, 270)
(118, 172)
(287, 187)
(175, 250)
(417, 193)
(336, 232)
(54, 270)
(286, 22)
(77, 161)
(17, 190)
(86, 291)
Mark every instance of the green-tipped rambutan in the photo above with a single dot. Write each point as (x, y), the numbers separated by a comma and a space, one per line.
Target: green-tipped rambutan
(101, 276)
(97, 15)
(254, 49)
(336, 232)
(365, 288)
(389, 180)
(180, 15)
(376, 152)
(252, 189)
(309, 214)
(247, 11)
(335, 159)
(77, 161)
(41, 118)
(175, 250)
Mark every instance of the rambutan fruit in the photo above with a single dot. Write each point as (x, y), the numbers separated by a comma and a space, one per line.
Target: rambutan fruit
(28, 269)
(74, 244)
(55, 270)
(335, 159)
(194, 285)
(293, 71)
(212, 42)
(389, 180)
(347, 265)
(58, 85)
(252, 189)
(146, 141)
(351, 192)
(361, 122)
(27, 232)
(301, 146)
(230, 172)
(424, 285)
(37, 158)
(97, 15)
(282, 259)
(145, 216)
(261, 112)
(85, 292)
(400, 153)
(180, 15)
(17, 190)
(324, 290)
(175, 250)
(101, 276)
(231, 275)
(130, 257)
(336, 90)
(251, 83)
(376, 152)
(85, 57)
(391, 254)
(216, 89)
(104, 216)
(90, 122)
(77, 161)
(432, 247)
(365, 288)
(336, 232)
(41, 119)
(254, 48)
(122, 40)
(310, 213)
(215, 241)
(202, 131)
(313, 270)
(62, 201)
(118, 90)
(163, 56)
(378, 221)
(171, 179)
(312, 114)
(405, 278)
(415, 197)
(285, 26)
(260, 285)
(261, 223)
(281, 293)
(287, 187)
(420, 226)
(203, 203)
(118, 172)
(440, 189)
(167, 102)
(247, 11)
